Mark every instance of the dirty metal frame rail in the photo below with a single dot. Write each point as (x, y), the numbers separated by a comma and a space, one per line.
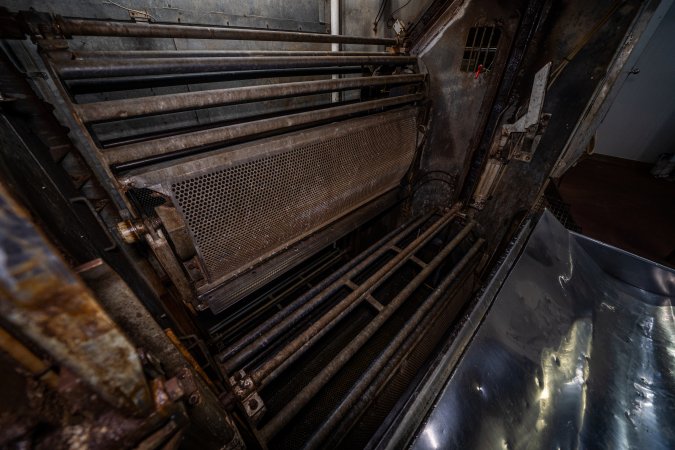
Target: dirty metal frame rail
(272, 333)
(71, 26)
(249, 347)
(51, 34)
(303, 304)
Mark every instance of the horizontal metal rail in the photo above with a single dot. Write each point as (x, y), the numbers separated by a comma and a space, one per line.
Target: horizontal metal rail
(365, 382)
(162, 104)
(254, 341)
(88, 85)
(106, 67)
(180, 145)
(275, 365)
(71, 26)
(319, 381)
(84, 54)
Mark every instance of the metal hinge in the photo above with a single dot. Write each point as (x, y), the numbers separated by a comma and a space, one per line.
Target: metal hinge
(524, 135)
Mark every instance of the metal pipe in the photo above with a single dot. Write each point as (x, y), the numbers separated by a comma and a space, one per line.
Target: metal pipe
(328, 284)
(161, 104)
(314, 386)
(274, 366)
(365, 383)
(71, 26)
(181, 145)
(106, 67)
(89, 85)
(124, 54)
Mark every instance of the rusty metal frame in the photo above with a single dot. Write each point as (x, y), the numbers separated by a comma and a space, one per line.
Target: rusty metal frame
(51, 35)
(161, 104)
(162, 177)
(50, 305)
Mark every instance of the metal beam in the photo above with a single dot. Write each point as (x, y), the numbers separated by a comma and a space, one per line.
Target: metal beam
(161, 104)
(86, 27)
(319, 381)
(211, 53)
(107, 67)
(189, 143)
(365, 383)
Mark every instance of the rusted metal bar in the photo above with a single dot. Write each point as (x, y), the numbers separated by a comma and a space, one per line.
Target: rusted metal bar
(314, 386)
(171, 146)
(439, 318)
(188, 357)
(90, 85)
(161, 104)
(327, 287)
(41, 297)
(365, 382)
(77, 54)
(27, 359)
(71, 26)
(269, 332)
(276, 365)
(106, 67)
(167, 259)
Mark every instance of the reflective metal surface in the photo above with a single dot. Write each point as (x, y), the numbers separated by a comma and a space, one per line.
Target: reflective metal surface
(577, 351)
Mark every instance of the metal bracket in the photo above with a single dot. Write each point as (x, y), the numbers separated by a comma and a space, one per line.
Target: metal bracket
(254, 407)
(167, 259)
(242, 384)
(245, 392)
(139, 16)
(521, 139)
(524, 135)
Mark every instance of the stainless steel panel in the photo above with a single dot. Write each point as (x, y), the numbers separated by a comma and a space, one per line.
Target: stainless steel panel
(577, 351)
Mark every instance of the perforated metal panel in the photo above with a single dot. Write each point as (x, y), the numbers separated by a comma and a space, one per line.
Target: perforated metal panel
(251, 209)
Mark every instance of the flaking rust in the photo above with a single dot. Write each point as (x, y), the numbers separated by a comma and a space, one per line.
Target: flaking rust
(40, 296)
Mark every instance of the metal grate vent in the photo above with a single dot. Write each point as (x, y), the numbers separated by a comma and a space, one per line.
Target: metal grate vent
(480, 49)
(253, 209)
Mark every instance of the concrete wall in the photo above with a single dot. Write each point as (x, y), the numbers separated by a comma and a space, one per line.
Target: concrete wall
(640, 124)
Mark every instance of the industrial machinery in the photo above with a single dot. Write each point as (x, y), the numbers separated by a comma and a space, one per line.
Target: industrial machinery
(234, 230)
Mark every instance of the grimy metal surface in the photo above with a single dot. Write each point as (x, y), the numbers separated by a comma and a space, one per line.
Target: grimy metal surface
(87, 27)
(106, 67)
(161, 104)
(576, 352)
(42, 298)
(247, 203)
